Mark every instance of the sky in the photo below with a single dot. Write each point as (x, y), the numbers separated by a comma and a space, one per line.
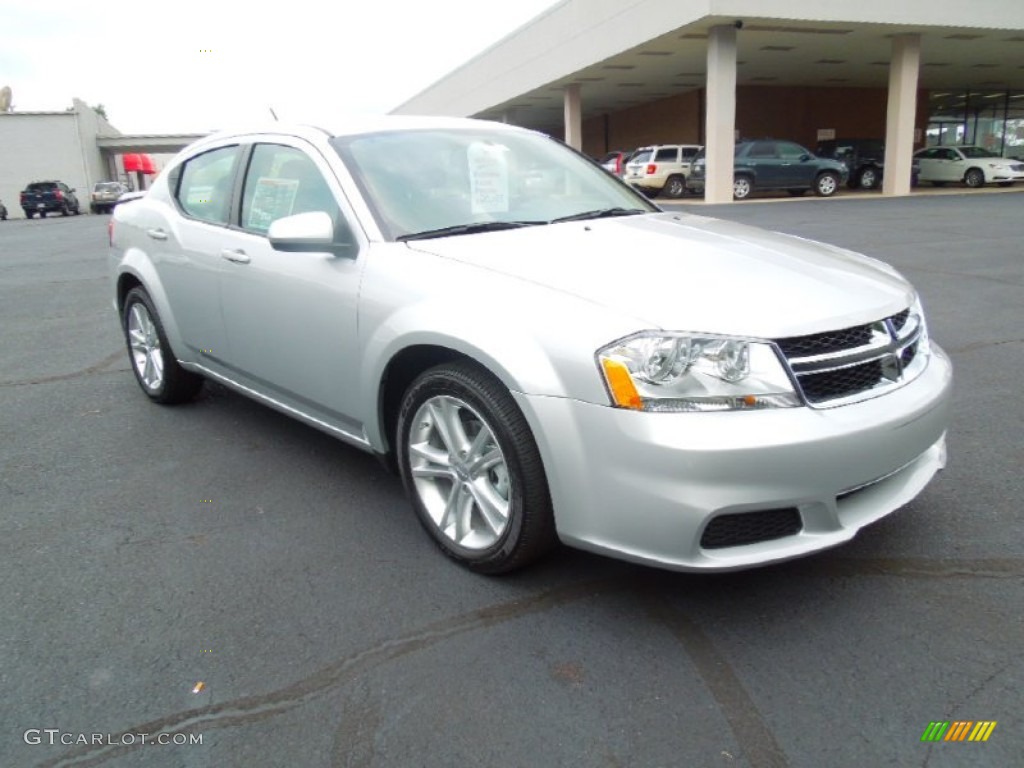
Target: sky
(181, 66)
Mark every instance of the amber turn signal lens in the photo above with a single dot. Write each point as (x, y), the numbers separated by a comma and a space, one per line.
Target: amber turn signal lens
(621, 385)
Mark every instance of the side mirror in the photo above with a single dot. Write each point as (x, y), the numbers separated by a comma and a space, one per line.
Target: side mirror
(804, 158)
(311, 232)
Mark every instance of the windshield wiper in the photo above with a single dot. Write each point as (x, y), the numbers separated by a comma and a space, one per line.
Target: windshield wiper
(601, 213)
(468, 229)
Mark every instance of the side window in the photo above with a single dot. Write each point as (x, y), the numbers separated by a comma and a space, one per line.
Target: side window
(689, 153)
(762, 149)
(283, 181)
(204, 191)
(667, 155)
(790, 151)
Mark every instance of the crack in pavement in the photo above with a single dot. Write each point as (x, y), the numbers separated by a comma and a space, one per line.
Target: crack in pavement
(249, 709)
(982, 345)
(752, 733)
(95, 368)
(983, 568)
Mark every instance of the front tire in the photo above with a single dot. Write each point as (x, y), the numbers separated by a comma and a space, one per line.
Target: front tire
(826, 185)
(974, 178)
(472, 470)
(153, 362)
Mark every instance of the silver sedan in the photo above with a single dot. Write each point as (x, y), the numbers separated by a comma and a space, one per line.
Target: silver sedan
(539, 351)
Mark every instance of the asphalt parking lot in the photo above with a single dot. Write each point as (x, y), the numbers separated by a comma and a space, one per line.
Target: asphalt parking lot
(146, 549)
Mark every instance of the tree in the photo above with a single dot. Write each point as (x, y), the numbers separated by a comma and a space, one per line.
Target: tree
(100, 110)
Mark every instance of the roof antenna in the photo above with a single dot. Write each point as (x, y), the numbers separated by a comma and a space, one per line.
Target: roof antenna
(272, 112)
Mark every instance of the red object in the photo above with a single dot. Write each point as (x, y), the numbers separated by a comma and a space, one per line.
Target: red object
(652, 169)
(58, 194)
(138, 162)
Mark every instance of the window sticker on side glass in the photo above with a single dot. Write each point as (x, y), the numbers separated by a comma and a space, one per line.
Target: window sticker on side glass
(271, 200)
(488, 177)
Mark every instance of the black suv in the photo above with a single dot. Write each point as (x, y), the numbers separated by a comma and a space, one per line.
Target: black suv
(863, 158)
(770, 164)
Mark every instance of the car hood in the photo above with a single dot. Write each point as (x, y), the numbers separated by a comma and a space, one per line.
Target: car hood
(692, 273)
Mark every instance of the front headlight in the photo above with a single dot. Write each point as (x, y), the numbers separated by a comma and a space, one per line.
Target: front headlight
(679, 372)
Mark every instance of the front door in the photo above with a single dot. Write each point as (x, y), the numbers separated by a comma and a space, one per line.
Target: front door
(291, 317)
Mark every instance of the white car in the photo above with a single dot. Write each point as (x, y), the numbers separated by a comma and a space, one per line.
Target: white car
(973, 166)
(540, 352)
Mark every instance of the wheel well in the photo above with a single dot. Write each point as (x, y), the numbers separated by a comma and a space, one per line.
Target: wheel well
(124, 284)
(400, 373)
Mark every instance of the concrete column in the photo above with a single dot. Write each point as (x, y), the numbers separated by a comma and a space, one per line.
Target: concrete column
(720, 120)
(573, 117)
(902, 113)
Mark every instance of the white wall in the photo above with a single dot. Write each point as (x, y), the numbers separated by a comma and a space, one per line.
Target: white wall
(39, 147)
(42, 146)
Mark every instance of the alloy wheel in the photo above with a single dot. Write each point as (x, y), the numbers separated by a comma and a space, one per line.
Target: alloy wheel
(459, 472)
(147, 356)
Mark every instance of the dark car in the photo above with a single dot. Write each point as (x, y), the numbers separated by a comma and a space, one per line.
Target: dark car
(44, 197)
(771, 164)
(863, 158)
(3, 211)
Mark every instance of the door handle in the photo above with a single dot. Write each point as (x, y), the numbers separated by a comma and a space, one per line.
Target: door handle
(239, 256)
(157, 234)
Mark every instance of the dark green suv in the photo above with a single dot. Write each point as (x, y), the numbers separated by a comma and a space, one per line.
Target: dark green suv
(770, 164)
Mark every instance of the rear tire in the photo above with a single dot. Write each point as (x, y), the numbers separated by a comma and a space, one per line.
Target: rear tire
(472, 470)
(868, 178)
(153, 361)
(65, 210)
(742, 187)
(675, 187)
(29, 214)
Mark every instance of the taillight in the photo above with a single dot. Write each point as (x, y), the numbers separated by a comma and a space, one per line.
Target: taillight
(59, 195)
(652, 169)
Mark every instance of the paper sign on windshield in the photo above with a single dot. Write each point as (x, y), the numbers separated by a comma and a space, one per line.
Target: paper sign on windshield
(488, 177)
(271, 200)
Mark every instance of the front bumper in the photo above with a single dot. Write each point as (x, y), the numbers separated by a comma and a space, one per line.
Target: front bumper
(645, 486)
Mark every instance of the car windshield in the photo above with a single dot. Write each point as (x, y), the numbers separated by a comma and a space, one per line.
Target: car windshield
(641, 156)
(108, 186)
(976, 152)
(42, 186)
(471, 180)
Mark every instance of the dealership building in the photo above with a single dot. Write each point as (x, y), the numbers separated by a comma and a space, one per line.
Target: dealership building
(616, 74)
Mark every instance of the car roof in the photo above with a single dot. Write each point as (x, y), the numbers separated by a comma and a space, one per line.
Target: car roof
(356, 125)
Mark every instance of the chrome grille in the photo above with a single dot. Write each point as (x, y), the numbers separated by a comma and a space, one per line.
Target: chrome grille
(851, 364)
(823, 343)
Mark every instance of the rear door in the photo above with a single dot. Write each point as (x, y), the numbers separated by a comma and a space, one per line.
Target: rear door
(763, 160)
(185, 245)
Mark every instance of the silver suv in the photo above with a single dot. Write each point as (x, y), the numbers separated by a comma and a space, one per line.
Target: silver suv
(661, 168)
(469, 301)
